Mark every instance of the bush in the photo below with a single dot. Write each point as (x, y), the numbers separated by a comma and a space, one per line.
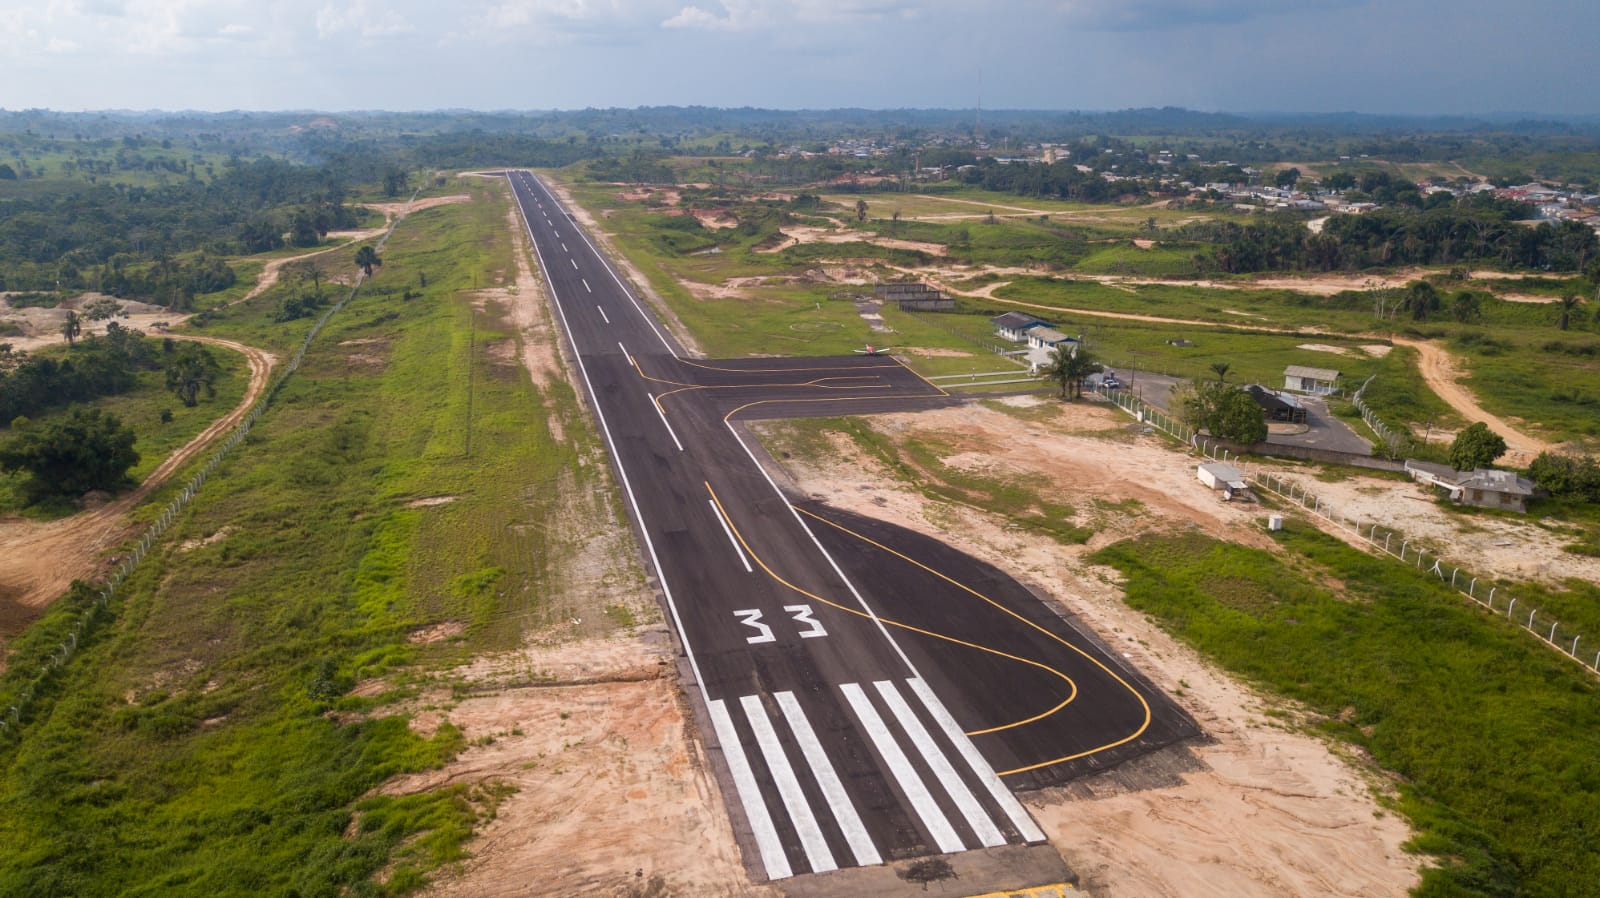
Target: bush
(1567, 476)
(90, 450)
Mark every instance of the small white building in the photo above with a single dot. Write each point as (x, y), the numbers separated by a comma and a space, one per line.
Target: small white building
(1224, 478)
(1301, 379)
(1043, 337)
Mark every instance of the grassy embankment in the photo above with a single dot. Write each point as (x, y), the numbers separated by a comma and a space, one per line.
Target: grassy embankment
(207, 742)
(1491, 738)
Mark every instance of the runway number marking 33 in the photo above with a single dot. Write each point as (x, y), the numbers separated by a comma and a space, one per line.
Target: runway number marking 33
(751, 617)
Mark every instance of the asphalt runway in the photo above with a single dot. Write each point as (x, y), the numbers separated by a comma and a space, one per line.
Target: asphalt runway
(873, 694)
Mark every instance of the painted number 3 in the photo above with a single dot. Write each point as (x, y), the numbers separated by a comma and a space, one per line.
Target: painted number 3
(751, 617)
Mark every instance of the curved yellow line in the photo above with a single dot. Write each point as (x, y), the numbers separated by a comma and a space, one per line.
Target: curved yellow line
(739, 535)
(1090, 658)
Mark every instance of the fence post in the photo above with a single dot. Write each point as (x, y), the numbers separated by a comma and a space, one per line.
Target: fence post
(1552, 637)
(1474, 586)
(1512, 607)
(1574, 650)
(1530, 618)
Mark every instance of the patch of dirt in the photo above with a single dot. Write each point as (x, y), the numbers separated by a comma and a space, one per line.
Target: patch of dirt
(1274, 812)
(431, 501)
(610, 788)
(401, 209)
(1324, 347)
(932, 352)
(39, 560)
(189, 545)
(42, 327)
(437, 632)
(1377, 350)
(804, 234)
(1513, 547)
(1142, 243)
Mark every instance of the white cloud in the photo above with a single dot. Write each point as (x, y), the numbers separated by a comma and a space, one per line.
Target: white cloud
(366, 20)
(1155, 15)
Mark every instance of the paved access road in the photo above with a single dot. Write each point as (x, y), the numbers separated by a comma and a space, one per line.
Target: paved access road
(875, 695)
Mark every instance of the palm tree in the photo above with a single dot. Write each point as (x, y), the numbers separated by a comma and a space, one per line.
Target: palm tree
(1221, 369)
(72, 328)
(1565, 309)
(367, 259)
(1068, 368)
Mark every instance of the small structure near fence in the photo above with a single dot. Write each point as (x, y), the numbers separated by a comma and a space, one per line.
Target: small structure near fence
(1225, 479)
(1277, 406)
(914, 297)
(1014, 326)
(1319, 381)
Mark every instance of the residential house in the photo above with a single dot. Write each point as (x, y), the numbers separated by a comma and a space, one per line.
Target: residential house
(1014, 326)
(1481, 488)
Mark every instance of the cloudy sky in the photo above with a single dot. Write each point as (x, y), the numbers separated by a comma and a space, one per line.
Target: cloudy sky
(1382, 56)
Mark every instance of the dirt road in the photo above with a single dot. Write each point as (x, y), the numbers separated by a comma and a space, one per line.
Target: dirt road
(39, 560)
(1440, 370)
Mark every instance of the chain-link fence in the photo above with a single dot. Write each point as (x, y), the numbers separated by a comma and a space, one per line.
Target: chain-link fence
(97, 610)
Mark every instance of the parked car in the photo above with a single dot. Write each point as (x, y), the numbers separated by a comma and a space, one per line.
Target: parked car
(1109, 381)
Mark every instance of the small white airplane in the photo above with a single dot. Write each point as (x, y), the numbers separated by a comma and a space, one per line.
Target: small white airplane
(869, 349)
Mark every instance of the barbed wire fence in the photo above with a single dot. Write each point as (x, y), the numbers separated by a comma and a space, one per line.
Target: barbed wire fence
(1379, 537)
(12, 719)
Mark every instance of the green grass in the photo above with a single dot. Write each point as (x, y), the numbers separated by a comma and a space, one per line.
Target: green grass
(204, 742)
(1491, 737)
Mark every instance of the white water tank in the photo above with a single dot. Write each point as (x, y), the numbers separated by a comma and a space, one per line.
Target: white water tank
(1275, 522)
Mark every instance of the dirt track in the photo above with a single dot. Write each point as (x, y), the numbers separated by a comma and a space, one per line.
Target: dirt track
(38, 561)
(1440, 370)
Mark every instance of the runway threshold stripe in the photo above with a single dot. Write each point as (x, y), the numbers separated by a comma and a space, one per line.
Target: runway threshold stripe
(794, 800)
(744, 783)
(844, 812)
(970, 808)
(743, 559)
(663, 416)
(900, 767)
(969, 752)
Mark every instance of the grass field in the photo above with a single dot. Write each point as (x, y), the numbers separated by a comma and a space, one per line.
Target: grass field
(206, 742)
(1491, 737)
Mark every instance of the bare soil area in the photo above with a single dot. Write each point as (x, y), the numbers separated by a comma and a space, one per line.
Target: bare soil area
(612, 796)
(1275, 812)
(796, 234)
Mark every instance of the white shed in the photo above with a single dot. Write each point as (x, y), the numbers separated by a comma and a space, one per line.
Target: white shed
(1222, 477)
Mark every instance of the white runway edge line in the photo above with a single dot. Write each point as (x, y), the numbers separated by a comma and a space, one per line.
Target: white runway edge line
(844, 813)
(969, 753)
(632, 501)
(944, 835)
(794, 800)
(966, 802)
(664, 423)
(648, 318)
(731, 540)
(744, 782)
